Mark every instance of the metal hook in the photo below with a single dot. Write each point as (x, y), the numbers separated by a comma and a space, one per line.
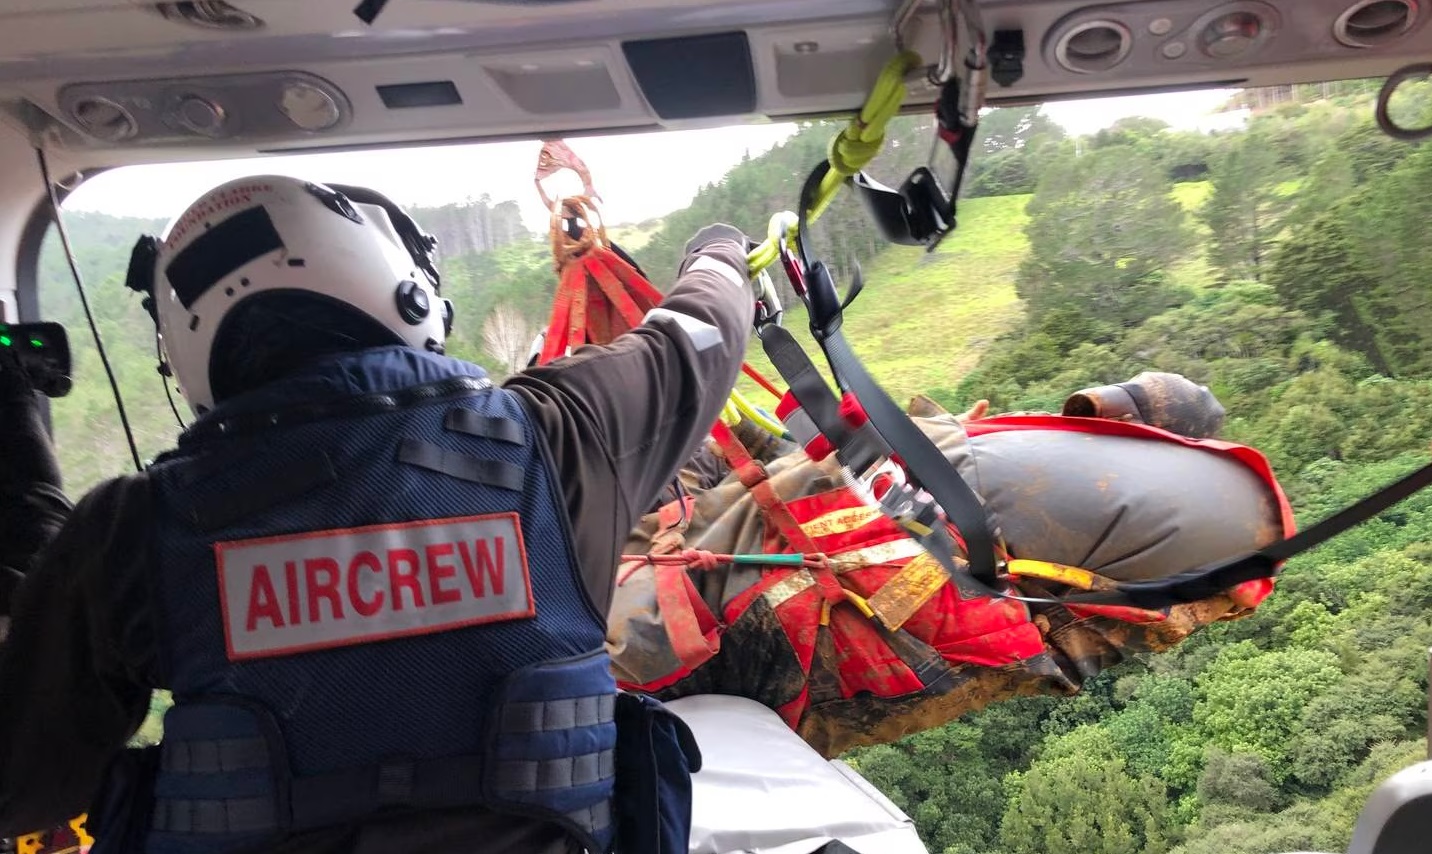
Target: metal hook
(965, 33)
(900, 22)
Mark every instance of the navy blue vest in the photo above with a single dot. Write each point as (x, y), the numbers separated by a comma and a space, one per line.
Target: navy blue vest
(370, 602)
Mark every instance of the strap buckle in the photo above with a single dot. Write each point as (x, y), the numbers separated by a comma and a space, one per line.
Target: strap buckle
(922, 211)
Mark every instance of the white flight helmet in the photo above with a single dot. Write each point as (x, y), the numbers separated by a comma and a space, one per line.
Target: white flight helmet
(271, 233)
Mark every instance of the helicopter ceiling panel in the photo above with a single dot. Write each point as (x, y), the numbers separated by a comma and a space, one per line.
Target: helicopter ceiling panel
(267, 75)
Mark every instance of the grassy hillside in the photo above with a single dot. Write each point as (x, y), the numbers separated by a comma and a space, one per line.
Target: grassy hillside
(633, 236)
(925, 319)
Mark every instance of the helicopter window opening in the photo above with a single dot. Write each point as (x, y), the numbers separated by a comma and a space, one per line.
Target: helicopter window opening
(1267, 243)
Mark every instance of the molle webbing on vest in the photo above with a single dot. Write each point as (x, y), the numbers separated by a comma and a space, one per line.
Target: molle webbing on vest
(232, 815)
(556, 736)
(426, 455)
(484, 426)
(219, 759)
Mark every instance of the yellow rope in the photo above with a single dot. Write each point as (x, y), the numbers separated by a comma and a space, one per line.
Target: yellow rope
(850, 151)
(854, 148)
(762, 420)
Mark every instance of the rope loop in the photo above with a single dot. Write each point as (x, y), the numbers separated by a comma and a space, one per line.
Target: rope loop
(701, 559)
(583, 213)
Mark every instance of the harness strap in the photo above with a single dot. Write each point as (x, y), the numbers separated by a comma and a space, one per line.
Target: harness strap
(694, 632)
(858, 448)
(673, 520)
(923, 462)
(754, 477)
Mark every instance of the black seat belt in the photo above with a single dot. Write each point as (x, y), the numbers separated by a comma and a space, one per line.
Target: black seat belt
(925, 466)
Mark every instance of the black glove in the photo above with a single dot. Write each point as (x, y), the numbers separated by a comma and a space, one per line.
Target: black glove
(719, 242)
(718, 232)
(14, 382)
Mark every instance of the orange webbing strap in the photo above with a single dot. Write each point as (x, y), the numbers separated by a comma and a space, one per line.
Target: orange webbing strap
(619, 283)
(693, 631)
(599, 295)
(754, 477)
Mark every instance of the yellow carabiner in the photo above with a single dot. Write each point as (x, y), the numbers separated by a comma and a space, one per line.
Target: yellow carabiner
(780, 231)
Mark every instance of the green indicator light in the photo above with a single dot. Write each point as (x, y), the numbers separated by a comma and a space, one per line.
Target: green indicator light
(4, 340)
(35, 342)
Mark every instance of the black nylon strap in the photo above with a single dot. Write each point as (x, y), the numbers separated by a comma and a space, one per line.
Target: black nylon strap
(924, 463)
(857, 449)
(484, 426)
(369, 10)
(1351, 516)
(426, 455)
(926, 466)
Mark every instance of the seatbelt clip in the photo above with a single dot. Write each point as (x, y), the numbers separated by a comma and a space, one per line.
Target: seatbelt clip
(911, 509)
(876, 482)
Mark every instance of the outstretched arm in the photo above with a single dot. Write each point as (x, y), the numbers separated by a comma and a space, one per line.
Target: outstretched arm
(621, 419)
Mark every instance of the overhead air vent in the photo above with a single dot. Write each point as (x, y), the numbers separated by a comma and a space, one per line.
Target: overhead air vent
(1375, 22)
(1093, 46)
(210, 14)
(1236, 30)
(104, 119)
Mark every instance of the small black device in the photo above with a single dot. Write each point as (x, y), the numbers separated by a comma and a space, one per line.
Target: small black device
(44, 353)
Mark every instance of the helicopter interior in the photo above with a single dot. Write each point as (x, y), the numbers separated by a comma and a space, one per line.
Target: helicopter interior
(101, 84)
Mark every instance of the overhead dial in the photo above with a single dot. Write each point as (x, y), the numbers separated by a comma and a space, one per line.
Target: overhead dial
(200, 115)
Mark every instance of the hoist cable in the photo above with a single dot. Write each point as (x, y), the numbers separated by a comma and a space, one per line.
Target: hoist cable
(59, 221)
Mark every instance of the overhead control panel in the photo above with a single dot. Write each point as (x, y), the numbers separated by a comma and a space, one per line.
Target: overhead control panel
(309, 77)
(240, 108)
(1140, 38)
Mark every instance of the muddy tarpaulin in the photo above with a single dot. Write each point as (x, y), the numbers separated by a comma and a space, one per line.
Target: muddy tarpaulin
(909, 650)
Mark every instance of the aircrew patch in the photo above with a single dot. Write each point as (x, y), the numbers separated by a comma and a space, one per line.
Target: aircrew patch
(324, 589)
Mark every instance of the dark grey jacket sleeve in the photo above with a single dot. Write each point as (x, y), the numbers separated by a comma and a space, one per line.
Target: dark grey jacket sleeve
(621, 419)
(32, 505)
(76, 670)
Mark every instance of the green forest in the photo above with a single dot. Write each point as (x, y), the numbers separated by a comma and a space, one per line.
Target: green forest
(1284, 264)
